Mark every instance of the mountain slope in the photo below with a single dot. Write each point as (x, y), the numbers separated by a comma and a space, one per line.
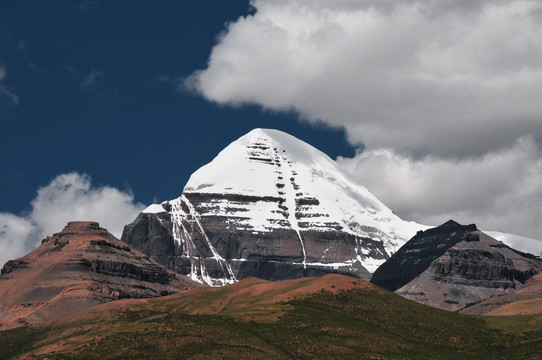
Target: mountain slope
(270, 206)
(347, 319)
(80, 267)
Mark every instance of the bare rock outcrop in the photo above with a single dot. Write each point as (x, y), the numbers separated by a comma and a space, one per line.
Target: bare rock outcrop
(214, 249)
(77, 268)
(453, 265)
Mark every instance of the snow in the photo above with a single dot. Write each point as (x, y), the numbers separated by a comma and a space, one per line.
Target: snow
(198, 271)
(518, 242)
(154, 209)
(371, 264)
(263, 162)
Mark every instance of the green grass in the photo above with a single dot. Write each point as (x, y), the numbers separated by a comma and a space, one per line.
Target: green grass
(18, 341)
(361, 323)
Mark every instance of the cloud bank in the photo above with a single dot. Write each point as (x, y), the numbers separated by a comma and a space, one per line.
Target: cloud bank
(501, 190)
(435, 89)
(68, 197)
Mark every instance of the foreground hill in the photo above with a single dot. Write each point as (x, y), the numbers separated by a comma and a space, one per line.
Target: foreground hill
(255, 319)
(271, 206)
(80, 267)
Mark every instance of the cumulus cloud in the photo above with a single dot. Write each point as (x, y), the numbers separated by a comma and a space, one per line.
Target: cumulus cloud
(68, 197)
(447, 78)
(442, 96)
(500, 191)
(15, 233)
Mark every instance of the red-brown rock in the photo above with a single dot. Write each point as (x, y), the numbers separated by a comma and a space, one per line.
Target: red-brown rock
(80, 267)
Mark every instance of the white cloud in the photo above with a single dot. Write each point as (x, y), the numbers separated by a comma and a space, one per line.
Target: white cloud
(68, 197)
(14, 234)
(453, 78)
(443, 96)
(499, 191)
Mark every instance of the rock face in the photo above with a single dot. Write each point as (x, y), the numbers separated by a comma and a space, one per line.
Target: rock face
(80, 267)
(416, 255)
(453, 265)
(274, 207)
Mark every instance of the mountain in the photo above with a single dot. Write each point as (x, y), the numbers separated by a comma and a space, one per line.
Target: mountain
(77, 268)
(418, 253)
(331, 317)
(453, 265)
(271, 206)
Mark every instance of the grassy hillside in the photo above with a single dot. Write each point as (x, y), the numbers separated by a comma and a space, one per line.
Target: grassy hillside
(254, 319)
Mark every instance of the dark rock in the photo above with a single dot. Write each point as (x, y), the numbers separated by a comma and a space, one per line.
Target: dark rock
(452, 266)
(186, 245)
(13, 265)
(416, 255)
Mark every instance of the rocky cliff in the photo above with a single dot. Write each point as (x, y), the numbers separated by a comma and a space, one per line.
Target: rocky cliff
(77, 268)
(418, 253)
(271, 206)
(453, 265)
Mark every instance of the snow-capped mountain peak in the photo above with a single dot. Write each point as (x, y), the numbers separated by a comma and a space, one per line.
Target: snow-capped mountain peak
(273, 206)
(268, 162)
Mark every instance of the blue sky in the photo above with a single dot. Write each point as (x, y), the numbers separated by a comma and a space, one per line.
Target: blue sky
(97, 92)
(108, 106)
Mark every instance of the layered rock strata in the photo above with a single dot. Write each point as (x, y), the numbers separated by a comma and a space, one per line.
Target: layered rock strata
(418, 253)
(80, 267)
(452, 266)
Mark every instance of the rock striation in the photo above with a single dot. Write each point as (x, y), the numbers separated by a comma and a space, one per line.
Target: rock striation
(416, 255)
(454, 265)
(273, 207)
(77, 268)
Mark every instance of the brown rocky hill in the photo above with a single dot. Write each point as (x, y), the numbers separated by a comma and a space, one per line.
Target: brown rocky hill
(75, 269)
(453, 265)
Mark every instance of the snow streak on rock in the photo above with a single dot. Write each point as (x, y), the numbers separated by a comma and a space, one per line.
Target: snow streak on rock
(325, 195)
